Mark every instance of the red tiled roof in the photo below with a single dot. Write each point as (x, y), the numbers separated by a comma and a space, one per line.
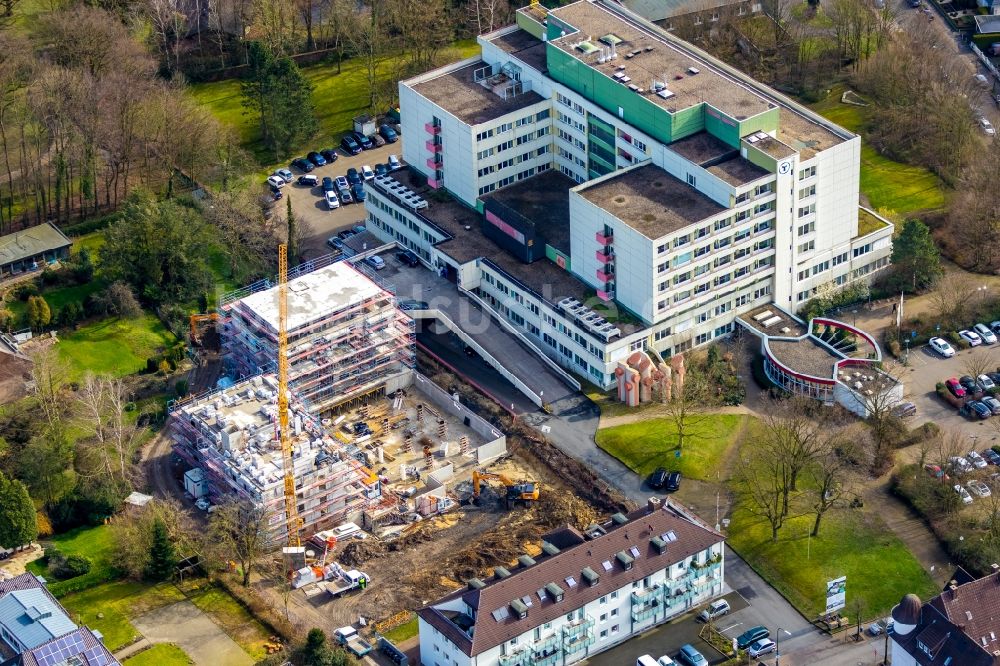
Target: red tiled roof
(692, 537)
(975, 609)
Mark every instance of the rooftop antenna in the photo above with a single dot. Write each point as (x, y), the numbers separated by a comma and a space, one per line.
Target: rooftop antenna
(614, 53)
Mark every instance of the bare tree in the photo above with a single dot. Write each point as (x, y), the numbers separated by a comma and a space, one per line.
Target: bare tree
(831, 473)
(169, 23)
(240, 532)
(979, 362)
(368, 37)
(762, 483)
(103, 403)
(950, 298)
(688, 405)
(133, 533)
(485, 16)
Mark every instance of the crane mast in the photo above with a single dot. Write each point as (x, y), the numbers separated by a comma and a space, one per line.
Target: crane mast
(291, 504)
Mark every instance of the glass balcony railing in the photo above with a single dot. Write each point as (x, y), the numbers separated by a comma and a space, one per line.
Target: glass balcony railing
(546, 644)
(578, 642)
(547, 660)
(645, 611)
(523, 656)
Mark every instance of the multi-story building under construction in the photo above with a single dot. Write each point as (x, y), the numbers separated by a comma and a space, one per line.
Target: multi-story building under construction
(345, 336)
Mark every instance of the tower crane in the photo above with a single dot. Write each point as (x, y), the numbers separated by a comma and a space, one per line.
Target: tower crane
(293, 522)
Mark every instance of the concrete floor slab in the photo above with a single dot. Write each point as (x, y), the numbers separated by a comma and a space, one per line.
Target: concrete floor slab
(201, 639)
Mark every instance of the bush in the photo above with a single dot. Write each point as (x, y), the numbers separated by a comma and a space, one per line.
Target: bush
(928, 496)
(71, 567)
(27, 290)
(946, 395)
(95, 224)
(181, 388)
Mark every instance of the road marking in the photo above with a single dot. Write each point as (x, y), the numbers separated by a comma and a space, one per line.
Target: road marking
(732, 626)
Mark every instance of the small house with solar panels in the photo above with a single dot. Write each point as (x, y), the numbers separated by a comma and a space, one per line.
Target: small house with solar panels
(35, 629)
(586, 591)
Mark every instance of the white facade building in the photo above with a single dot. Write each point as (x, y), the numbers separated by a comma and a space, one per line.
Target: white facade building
(585, 593)
(691, 192)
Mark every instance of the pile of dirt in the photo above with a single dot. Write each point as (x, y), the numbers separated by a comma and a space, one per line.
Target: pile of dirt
(358, 552)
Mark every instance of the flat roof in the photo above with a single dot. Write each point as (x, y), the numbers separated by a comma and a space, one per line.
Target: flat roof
(651, 201)
(702, 147)
(656, 59)
(313, 295)
(805, 356)
(524, 46)
(457, 92)
(543, 199)
(778, 321)
(804, 135)
(30, 242)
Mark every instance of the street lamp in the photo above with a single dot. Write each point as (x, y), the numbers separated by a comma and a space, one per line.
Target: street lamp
(777, 644)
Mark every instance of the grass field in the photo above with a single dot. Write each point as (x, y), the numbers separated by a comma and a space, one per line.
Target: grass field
(879, 568)
(113, 346)
(403, 632)
(889, 185)
(652, 443)
(336, 97)
(110, 607)
(161, 654)
(94, 543)
(233, 618)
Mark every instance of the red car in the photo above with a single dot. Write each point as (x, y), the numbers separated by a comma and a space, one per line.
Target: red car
(955, 387)
(936, 472)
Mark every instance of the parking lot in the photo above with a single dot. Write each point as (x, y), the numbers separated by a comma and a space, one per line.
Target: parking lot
(310, 208)
(925, 368)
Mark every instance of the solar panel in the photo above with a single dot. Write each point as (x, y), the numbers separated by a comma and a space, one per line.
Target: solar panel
(500, 614)
(606, 564)
(571, 581)
(59, 650)
(526, 600)
(634, 551)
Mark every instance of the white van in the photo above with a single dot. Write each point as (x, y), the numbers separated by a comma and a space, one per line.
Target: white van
(645, 660)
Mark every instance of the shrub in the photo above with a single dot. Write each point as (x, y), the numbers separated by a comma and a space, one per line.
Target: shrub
(181, 388)
(71, 567)
(27, 290)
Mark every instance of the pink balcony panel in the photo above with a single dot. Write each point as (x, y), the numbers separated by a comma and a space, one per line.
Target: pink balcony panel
(433, 147)
(604, 277)
(605, 295)
(433, 164)
(431, 129)
(604, 258)
(604, 240)
(433, 183)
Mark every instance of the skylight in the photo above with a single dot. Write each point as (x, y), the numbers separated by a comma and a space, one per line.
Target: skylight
(634, 551)
(606, 564)
(500, 614)
(571, 581)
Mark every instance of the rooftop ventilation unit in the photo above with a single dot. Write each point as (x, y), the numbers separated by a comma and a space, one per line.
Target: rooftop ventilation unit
(476, 584)
(549, 549)
(525, 561)
(619, 519)
(665, 94)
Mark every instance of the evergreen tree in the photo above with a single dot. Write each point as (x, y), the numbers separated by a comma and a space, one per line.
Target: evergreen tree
(161, 554)
(316, 651)
(18, 524)
(916, 261)
(39, 314)
(293, 235)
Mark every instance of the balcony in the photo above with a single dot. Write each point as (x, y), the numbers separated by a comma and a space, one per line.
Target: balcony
(434, 163)
(604, 258)
(604, 239)
(646, 603)
(548, 660)
(645, 612)
(577, 635)
(606, 295)
(432, 129)
(605, 275)
(546, 645)
(433, 146)
(522, 656)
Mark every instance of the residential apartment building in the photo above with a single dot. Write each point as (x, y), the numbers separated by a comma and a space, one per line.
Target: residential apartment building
(35, 630)
(691, 192)
(585, 593)
(345, 335)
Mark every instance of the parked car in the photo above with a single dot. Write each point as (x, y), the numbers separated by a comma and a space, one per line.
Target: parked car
(284, 174)
(971, 337)
(968, 383)
(328, 185)
(275, 181)
(377, 140)
(335, 243)
(879, 626)
(692, 657)
(904, 410)
(717, 608)
(350, 144)
(992, 403)
(751, 635)
(347, 233)
(359, 228)
(367, 173)
(303, 164)
(995, 326)
(408, 257)
(673, 483)
(410, 304)
(761, 647)
(276, 193)
(358, 192)
(363, 141)
(332, 202)
(941, 346)
(202, 503)
(658, 478)
(984, 332)
(959, 465)
(991, 456)
(975, 410)
(316, 159)
(977, 460)
(343, 189)
(394, 163)
(963, 494)
(381, 170)
(985, 382)
(978, 488)
(956, 389)
(353, 177)
(329, 154)
(987, 127)
(665, 661)
(388, 134)
(308, 181)
(936, 472)
(994, 377)
(375, 262)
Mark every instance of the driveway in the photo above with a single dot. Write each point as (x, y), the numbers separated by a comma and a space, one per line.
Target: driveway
(200, 638)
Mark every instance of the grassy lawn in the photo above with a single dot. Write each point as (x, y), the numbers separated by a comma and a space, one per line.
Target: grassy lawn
(403, 631)
(233, 618)
(113, 346)
(889, 185)
(337, 99)
(161, 654)
(116, 603)
(652, 443)
(879, 568)
(92, 242)
(94, 543)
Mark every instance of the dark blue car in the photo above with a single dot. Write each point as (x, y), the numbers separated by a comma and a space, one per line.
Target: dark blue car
(388, 134)
(349, 144)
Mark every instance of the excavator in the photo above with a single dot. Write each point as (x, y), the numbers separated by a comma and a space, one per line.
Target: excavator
(525, 492)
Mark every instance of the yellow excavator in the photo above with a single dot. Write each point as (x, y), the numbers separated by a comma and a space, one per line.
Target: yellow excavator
(525, 492)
